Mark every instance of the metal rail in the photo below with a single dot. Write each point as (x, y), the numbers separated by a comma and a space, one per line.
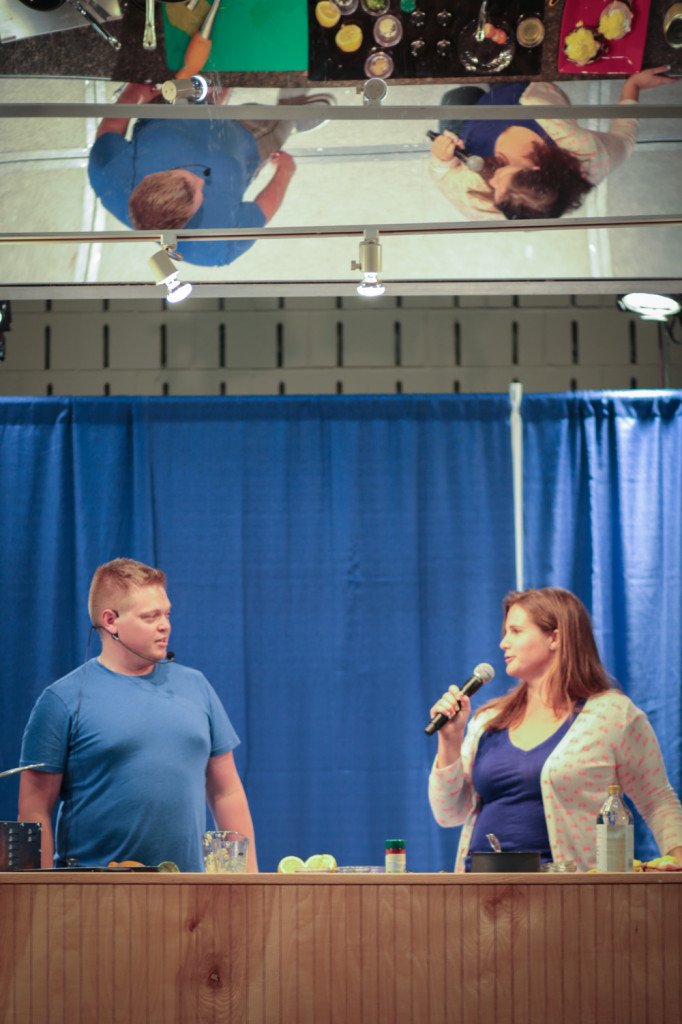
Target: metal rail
(309, 112)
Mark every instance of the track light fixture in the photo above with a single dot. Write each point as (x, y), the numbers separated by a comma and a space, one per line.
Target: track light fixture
(166, 272)
(370, 264)
(650, 306)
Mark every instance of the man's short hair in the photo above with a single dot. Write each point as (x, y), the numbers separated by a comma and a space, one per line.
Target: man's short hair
(161, 200)
(114, 582)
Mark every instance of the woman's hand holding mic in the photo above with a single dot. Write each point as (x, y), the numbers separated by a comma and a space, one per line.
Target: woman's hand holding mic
(443, 146)
(448, 146)
(450, 735)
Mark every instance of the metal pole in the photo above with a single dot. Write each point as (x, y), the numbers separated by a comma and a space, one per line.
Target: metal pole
(663, 344)
(516, 425)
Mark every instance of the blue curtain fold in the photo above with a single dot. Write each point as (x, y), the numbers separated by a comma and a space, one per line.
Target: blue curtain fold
(333, 564)
(603, 517)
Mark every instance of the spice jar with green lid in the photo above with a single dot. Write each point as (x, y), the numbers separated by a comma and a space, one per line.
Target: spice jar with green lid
(395, 855)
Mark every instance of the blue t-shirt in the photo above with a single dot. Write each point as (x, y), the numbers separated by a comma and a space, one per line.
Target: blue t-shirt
(479, 137)
(507, 779)
(133, 752)
(117, 166)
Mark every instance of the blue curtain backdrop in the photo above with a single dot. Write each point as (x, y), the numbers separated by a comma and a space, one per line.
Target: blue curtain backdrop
(603, 518)
(333, 565)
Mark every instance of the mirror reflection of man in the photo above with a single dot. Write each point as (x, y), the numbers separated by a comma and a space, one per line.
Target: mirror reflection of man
(174, 173)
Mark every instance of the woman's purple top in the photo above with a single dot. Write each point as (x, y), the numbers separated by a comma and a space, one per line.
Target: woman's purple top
(479, 137)
(507, 780)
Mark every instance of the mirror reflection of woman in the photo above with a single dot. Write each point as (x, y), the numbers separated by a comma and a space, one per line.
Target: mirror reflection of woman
(540, 168)
(534, 766)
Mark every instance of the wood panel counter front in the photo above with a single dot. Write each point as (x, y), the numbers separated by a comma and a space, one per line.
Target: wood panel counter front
(89, 948)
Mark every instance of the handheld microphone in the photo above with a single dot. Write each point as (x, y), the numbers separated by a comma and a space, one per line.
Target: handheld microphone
(483, 673)
(474, 163)
(170, 655)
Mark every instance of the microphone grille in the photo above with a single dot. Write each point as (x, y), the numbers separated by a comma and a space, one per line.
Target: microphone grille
(484, 671)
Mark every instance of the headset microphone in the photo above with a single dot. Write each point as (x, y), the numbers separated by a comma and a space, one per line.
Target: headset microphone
(170, 655)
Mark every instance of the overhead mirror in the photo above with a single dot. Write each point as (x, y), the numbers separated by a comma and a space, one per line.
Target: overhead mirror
(407, 178)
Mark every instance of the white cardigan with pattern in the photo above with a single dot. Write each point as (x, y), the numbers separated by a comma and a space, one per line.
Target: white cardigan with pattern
(600, 152)
(610, 741)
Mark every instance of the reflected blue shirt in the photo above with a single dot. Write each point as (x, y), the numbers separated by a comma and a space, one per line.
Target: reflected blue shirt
(117, 166)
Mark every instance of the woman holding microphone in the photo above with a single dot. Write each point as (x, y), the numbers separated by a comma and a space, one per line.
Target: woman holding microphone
(540, 168)
(534, 766)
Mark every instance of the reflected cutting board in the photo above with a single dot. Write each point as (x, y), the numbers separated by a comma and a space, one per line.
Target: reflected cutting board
(249, 35)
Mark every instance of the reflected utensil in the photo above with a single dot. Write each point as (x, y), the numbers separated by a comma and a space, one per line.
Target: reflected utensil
(149, 37)
(100, 29)
(26, 767)
(480, 24)
(494, 841)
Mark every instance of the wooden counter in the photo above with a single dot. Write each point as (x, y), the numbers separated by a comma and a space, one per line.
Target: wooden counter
(344, 949)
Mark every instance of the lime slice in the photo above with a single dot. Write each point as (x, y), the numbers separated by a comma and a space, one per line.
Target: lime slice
(168, 865)
(289, 865)
(321, 862)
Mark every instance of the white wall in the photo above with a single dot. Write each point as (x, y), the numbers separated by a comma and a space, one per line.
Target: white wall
(329, 346)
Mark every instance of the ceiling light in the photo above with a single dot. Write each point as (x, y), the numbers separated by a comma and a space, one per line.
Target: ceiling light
(650, 306)
(370, 264)
(165, 272)
(178, 292)
(370, 286)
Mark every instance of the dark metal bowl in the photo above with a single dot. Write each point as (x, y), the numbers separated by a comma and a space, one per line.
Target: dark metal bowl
(42, 5)
(517, 860)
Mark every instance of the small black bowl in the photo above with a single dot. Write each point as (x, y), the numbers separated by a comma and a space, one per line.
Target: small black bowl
(508, 860)
(43, 5)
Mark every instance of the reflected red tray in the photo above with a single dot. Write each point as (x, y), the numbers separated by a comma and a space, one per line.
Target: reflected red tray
(624, 56)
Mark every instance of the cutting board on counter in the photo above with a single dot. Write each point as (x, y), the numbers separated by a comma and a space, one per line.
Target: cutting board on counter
(248, 35)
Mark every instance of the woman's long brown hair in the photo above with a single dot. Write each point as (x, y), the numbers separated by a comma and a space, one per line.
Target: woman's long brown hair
(556, 183)
(578, 672)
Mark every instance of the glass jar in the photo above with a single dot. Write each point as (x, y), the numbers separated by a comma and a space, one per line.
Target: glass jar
(395, 855)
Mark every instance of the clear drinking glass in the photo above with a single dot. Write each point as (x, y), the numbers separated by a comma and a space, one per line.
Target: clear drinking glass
(225, 852)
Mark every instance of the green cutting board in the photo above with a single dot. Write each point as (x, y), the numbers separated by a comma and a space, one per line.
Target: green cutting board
(249, 35)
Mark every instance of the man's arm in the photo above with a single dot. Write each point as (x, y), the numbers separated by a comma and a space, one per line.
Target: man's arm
(38, 793)
(227, 801)
(134, 92)
(270, 199)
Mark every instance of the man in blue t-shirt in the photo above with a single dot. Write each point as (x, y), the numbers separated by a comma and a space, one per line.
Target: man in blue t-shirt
(192, 173)
(132, 746)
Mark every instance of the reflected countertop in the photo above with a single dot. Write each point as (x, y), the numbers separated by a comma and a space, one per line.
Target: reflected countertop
(81, 53)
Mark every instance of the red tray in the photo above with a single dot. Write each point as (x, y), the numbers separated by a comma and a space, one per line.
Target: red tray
(624, 55)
